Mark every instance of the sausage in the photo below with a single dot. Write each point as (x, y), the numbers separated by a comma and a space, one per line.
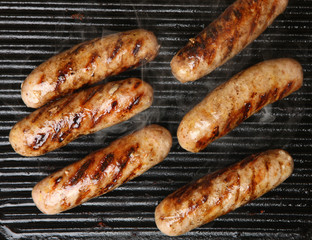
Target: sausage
(102, 171)
(223, 191)
(88, 63)
(236, 100)
(58, 123)
(240, 24)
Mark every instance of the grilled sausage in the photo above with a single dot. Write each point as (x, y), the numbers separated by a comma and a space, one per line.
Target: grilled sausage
(218, 193)
(88, 63)
(234, 101)
(58, 123)
(236, 27)
(102, 171)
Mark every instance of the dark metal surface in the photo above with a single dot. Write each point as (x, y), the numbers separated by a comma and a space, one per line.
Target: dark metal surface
(33, 31)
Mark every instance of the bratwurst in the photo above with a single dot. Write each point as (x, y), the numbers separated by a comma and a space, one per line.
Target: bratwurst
(236, 27)
(218, 193)
(237, 99)
(88, 63)
(102, 171)
(58, 123)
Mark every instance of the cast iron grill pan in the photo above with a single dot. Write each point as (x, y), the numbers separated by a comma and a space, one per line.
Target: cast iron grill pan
(33, 31)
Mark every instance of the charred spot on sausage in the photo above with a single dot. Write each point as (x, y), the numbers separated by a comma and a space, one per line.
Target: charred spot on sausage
(263, 100)
(57, 181)
(246, 110)
(76, 121)
(39, 140)
(137, 47)
(62, 75)
(114, 104)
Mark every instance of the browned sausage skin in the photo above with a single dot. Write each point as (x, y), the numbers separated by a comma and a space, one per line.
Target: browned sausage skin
(102, 171)
(218, 193)
(88, 63)
(58, 123)
(236, 27)
(237, 99)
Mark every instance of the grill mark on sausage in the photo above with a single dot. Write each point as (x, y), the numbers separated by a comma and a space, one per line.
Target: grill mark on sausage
(41, 79)
(229, 47)
(254, 21)
(61, 137)
(137, 47)
(273, 8)
(76, 121)
(232, 17)
(237, 194)
(286, 90)
(90, 96)
(203, 142)
(263, 100)
(246, 110)
(187, 190)
(80, 172)
(136, 101)
(82, 195)
(133, 173)
(82, 46)
(59, 129)
(103, 164)
(56, 128)
(65, 204)
(237, 13)
(35, 118)
(92, 59)
(267, 167)
(201, 46)
(231, 177)
(39, 140)
(93, 93)
(116, 49)
(137, 84)
(248, 160)
(107, 188)
(236, 117)
(62, 75)
(136, 64)
(64, 104)
(122, 163)
(96, 119)
(56, 182)
(274, 93)
(252, 184)
(183, 191)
